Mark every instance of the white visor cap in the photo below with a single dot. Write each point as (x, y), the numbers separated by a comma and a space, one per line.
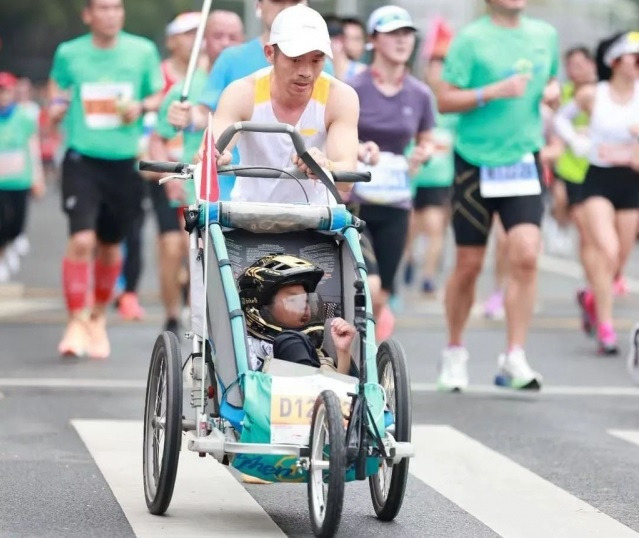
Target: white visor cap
(298, 30)
(626, 44)
(183, 23)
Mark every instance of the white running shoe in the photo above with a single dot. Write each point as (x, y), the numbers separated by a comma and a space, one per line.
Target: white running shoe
(22, 245)
(5, 274)
(633, 354)
(12, 259)
(514, 372)
(453, 372)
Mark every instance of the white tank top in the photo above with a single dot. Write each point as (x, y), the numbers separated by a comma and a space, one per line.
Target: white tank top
(276, 150)
(610, 122)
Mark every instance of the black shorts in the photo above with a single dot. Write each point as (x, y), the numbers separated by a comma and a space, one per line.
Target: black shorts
(103, 195)
(574, 191)
(168, 217)
(13, 214)
(386, 230)
(473, 214)
(431, 197)
(618, 184)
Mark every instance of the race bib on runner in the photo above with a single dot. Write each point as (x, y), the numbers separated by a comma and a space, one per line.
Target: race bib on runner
(389, 183)
(102, 102)
(12, 163)
(292, 401)
(519, 179)
(175, 147)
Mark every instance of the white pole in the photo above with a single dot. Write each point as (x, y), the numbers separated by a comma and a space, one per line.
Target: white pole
(195, 52)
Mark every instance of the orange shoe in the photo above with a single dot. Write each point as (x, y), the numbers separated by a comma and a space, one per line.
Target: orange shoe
(75, 340)
(129, 307)
(385, 324)
(98, 346)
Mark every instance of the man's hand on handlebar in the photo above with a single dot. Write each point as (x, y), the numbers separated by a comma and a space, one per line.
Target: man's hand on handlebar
(319, 157)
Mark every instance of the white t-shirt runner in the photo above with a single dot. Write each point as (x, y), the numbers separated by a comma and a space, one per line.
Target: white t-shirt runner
(276, 150)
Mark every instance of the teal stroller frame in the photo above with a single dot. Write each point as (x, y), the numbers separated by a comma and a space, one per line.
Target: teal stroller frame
(288, 422)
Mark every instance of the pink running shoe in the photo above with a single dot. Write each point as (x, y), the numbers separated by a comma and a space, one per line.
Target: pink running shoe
(607, 339)
(385, 324)
(586, 302)
(620, 286)
(129, 307)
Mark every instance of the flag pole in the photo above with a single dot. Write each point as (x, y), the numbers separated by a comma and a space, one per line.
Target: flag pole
(195, 52)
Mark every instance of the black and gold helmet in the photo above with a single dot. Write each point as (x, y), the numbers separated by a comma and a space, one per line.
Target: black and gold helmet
(261, 281)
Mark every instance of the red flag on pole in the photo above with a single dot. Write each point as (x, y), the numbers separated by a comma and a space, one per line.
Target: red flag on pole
(209, 187)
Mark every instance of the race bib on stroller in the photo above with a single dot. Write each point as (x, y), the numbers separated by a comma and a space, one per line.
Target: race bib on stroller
(103, 103)
(389, 183)
(12, 163)
(292, 401)
(518, 179)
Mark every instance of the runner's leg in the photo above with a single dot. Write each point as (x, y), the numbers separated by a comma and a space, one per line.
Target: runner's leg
(523, 244)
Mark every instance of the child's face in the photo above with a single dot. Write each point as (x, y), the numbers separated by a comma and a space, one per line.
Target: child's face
(290, 307)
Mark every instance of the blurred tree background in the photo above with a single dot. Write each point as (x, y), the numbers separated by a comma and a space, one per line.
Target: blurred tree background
(30, 30)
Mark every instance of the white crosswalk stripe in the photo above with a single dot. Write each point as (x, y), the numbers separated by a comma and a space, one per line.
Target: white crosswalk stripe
(499, 492)
(503, 495)
(632, 436)
(207, 500)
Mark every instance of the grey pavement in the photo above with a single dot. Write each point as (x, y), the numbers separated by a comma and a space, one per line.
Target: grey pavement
(51, 485)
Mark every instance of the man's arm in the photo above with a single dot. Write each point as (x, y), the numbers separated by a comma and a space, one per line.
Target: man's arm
(58, 102)
(235, 104)
(453, 99)
(342, 143)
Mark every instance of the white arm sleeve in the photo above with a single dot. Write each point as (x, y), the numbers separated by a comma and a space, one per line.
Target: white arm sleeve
(564, 127)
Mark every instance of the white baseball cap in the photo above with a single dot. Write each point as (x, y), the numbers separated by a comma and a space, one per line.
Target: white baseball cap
(184, 22)
(388, 19)
(626, 44)
(298, 30)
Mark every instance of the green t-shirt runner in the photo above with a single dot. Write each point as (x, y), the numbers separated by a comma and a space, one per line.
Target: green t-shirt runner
(16, 130)
(190, 138)
(503, 130)
(100, 80)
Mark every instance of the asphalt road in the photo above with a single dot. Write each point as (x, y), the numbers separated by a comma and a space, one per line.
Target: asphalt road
(489, 462)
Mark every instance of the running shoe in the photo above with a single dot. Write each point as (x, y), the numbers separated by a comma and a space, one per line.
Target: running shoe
(494, 306)
(129, 307)
(514, 372)
(98, 346)
(22, 245)
(5, 274)
(12, 259)
(607, 339)
(385, 324)
(173, 326)
(633, 354)
(620, 286)
(75, 339)
(453, 372)
(586, 302)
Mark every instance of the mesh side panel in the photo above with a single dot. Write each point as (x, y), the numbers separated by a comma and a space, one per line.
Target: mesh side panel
(332, 310)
